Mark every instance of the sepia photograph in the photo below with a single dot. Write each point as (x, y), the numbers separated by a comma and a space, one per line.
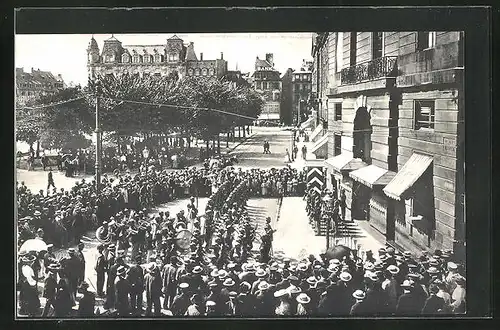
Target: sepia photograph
(251, 175)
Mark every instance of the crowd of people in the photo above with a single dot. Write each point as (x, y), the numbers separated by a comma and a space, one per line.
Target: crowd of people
(227, 268)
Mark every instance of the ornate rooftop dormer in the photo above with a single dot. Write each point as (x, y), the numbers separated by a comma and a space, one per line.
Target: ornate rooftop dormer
(93, 51)
(112, 48)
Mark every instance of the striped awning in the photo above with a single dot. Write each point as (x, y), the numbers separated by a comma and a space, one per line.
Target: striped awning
(321, 142)
(411, 171)
(345, 162)
(307, 123)
(372, 175)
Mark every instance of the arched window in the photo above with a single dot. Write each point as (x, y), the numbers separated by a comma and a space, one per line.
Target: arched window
(137, 58)
(158, 58)
(109, 57)
(204, 72)
(126, 58)
(190, 72)
(211, 72)
(362, 144)
(147, 58)
(197, 72)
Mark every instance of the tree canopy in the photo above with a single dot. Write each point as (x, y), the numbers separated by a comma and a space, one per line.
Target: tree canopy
(130, 104)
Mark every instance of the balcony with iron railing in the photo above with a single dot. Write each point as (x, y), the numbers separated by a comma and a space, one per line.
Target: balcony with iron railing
(382, 67)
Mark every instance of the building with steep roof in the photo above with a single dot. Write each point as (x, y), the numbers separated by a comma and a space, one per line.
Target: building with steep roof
(173, 57)
(267, 80)
(31, 85)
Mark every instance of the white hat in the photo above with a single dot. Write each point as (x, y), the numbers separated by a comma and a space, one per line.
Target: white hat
(345, 276)
(452, 266)
(369, 266)
(210, 303)
(303, 298)
(280, 293)
(334, 261)
(263, 285)
(393, 269)
(358, 294)
(406, 284)
(183, 285)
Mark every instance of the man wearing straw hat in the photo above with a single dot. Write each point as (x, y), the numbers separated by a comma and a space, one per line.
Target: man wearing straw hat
(50, 288)
(303, 304)
(153, 285)
(359, 308)
(181, 301)
(122, 289)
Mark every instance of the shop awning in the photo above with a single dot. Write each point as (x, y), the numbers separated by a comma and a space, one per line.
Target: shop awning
(407, 176)
(321, 142)
(372, 175)
(345, 162)
(317, 130)
(307, 123)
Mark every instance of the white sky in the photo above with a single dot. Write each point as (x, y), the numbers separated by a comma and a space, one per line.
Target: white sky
(66, 54)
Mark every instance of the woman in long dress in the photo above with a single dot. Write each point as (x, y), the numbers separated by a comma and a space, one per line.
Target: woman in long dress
(30, 302)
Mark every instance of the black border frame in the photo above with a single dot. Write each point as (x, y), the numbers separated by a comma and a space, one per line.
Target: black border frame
(475, 21)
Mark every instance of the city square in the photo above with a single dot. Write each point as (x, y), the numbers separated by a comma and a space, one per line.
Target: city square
(160, 183)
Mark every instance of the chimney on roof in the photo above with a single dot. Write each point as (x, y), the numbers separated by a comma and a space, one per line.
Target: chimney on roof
(201, 56)
(269, 58)
(221, 55)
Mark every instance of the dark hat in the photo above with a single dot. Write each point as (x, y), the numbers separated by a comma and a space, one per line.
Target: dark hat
(84, 285)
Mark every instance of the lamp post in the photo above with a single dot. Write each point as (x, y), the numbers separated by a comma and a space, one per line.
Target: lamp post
(98, 140)
(145, 154)
(326, 208)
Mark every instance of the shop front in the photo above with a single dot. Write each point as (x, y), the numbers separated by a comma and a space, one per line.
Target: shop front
(339, 167)
(371, 199)
(412, 202)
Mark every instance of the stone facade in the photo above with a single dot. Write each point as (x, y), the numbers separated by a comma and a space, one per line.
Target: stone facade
(31, 85)
(398, 94)
(173, 57)
(266, 80)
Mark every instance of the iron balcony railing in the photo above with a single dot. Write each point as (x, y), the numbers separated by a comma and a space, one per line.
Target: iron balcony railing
(380, 67)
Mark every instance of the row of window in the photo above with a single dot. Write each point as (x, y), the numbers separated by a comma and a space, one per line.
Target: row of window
(303, 77)
(265, 85)
(424, 113)
(203, 72)
(425, 40)
(299, 87)
(136, 58)
(29, 85)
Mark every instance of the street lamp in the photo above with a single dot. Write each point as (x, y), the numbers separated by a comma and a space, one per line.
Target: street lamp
(98, 138)
(326, 208)
(145, 154)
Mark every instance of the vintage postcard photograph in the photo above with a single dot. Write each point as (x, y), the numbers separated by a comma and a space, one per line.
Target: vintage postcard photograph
(251, 175)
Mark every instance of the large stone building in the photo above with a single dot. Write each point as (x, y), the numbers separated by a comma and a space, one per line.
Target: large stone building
(266, 80)
(174, 57)
(31, 85)
(395, 132)
(296, 94)
(301, 91)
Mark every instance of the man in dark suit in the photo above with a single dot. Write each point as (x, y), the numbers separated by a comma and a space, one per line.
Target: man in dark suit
(360, 308)
(434, 304)
(407, 304)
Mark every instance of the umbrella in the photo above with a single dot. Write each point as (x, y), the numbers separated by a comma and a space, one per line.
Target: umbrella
(337, 252)
(35, 245)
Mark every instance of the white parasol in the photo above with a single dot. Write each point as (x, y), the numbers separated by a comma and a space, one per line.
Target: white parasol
(35, 245)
